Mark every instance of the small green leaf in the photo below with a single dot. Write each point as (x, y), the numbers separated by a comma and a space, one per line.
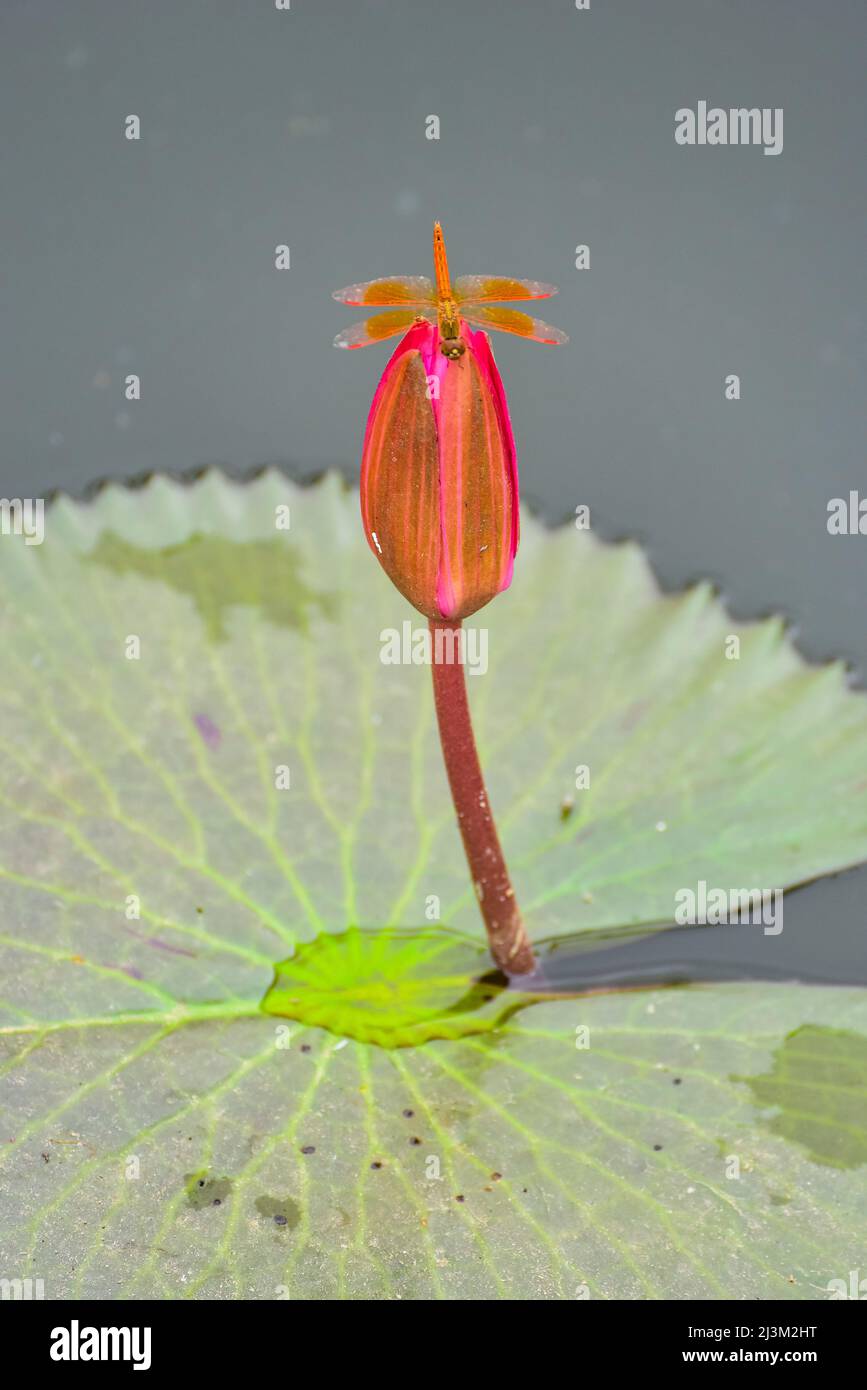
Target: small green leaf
(397, 989)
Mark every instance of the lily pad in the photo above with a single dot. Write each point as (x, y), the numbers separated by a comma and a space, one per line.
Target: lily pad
(215, 790)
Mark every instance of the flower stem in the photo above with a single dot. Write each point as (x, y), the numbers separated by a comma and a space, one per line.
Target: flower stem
(507, 937)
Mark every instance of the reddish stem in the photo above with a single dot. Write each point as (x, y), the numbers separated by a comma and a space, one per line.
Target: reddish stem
(510, 945)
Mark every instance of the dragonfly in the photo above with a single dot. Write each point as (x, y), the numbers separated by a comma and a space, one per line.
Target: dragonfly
(410, 299)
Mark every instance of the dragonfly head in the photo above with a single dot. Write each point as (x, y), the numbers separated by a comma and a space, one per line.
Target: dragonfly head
(452, 348)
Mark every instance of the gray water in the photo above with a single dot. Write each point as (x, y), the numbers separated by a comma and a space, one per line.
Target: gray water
(557, 128)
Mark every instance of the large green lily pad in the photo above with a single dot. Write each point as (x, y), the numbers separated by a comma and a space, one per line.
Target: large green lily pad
(180, 814)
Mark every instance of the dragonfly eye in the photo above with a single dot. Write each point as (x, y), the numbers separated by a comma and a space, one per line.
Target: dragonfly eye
(452, 348)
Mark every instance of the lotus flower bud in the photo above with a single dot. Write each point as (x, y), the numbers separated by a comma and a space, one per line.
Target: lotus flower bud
(439, 479)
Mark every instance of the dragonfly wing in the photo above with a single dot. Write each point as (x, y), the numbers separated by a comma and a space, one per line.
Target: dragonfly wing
(513, 321)
(378, 327)
(488, 289)
(396, 289)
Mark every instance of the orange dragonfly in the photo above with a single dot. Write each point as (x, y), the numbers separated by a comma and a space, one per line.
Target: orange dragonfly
(423, 300)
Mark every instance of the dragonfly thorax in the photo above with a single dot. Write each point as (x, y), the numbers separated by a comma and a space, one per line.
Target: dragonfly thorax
(451, 342)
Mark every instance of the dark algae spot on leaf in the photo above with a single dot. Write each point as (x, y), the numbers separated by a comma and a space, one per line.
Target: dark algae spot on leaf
(206, 1191)
(283, 1211)
(219, 574)
(208, 729)
(818, 1084)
